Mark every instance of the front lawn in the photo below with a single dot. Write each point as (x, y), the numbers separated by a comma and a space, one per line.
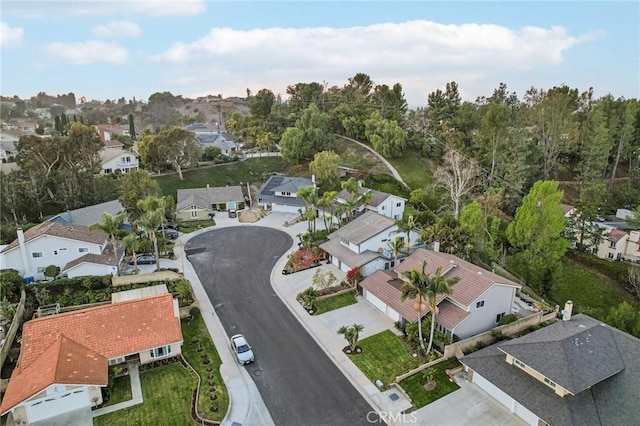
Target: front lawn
(121, 390)
(250, 170)
(196, 336)
(384, 357)
(335, 302)
(167, 394)
(414, 385)
(192, 225)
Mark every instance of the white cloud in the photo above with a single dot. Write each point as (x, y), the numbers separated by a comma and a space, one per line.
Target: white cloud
(117, 29)
(421, 55)
(45, 9)
(10, 36)
(89, 52)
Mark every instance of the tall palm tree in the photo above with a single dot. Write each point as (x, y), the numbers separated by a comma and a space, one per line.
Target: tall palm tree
(438, 284)
(132, 244)
(110, 224)
(152, 217)
(326, 202)
(309, 194)
(396, 246)
(416, 287)
(406, 226)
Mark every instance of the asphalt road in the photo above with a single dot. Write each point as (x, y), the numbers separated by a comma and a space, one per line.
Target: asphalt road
(299, 384)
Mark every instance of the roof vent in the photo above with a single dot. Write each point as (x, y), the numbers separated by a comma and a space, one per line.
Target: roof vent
(479, 272)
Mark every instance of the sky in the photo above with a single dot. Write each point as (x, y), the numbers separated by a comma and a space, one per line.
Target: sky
(109, 49)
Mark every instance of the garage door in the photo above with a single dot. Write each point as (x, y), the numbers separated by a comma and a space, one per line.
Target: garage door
(375, 301)
(393, 314)
(493, 390)
(284, 209)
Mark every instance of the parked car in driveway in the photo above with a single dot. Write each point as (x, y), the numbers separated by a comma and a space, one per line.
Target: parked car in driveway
(233, 213)
(242, 349)
(144, 259)
(169, 233)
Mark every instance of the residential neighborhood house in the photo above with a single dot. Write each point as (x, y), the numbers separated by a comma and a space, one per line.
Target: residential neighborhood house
(7, 147)
(64, 358)
(477, 303)
(118, 161)
(575, 372)
(77, 250)
(380, 202)
(89, 215)
(364, 243)
(228, 143)
(202, 203)
(280, 194)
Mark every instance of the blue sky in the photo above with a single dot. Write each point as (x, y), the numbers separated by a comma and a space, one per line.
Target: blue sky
(109, 49)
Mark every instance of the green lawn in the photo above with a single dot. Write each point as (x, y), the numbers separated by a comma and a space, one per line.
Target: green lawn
(121, 390)
(192, 225)
(590, 292)
(383, 357)
(250, 170)
(197, 329)
(335, 302)
(414, 385)
(167, 399)
(415, 170)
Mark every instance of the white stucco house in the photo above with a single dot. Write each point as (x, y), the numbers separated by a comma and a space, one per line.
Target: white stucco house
(64, 358)
(380, 202)
(7, 147)
(74, 248)
(117, 160)
(479, 299)
(364, 243)
(280, 194)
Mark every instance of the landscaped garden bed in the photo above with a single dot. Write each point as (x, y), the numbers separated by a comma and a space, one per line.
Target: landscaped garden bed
(430, 384)
(302, 259)
(189, 226)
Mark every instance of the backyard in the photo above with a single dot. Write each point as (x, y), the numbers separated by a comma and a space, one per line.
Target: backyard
(384, 357)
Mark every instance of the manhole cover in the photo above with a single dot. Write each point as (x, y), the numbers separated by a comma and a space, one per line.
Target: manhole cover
(394, 396)
(257, 372)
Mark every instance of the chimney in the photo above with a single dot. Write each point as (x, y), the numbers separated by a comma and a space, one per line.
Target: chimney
(436, 246)
(69, 216)
(23, 253)
(566, 312)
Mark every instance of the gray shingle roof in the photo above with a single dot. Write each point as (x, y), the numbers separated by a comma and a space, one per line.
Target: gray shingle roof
(89, 215)
(283, 184)
(612, 401)
(363, 228)
(336, 249)
(205, 197)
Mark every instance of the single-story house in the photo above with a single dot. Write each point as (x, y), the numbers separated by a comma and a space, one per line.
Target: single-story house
(364, 243)
(578, 371)
(202, 203)
(116, 160)
(380, 202)
(280, 194)
(64, 358)
(64, 245)
(87, 216)
(477, 303)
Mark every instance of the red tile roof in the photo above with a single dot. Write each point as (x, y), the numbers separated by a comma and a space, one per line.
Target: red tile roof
(616, 235)
(108, 257)
(62, 230)
(379, 285)
(474, 280)
(109, 331)
(63, 362)
(450, 315)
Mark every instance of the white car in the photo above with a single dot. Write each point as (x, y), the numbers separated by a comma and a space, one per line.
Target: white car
(242, 349)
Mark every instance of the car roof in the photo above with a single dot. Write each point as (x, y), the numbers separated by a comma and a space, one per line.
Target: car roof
(239, 338)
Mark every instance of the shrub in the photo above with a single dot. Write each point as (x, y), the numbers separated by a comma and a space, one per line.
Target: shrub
(52, 271)
(194, 312)
(507, 319)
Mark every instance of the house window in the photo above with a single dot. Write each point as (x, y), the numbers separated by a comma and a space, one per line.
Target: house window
(115, 361)
(549, 382)
(108, 170)
(610, 255)
(83, 250)
(499, 316)
(344, 241)
(41, 269)
(194, 211)
(398, 204)
(519, 364)
(126, 159)
(160, 352)
(386, 265)
(382, 207)
(55, 252)
(480, 304)
(613, 244)
(36, 254)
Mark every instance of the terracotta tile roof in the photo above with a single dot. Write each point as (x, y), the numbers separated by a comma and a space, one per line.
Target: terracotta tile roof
(63, 362)
(108, 257)
(450, 315)
(616, 235)
(566, 208)
(380, 285)
(62, 230)
(473, 280)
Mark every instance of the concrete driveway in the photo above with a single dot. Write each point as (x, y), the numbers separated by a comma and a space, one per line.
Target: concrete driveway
(299, 384)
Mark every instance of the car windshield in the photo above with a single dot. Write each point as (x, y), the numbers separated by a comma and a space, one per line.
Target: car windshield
(243, 348)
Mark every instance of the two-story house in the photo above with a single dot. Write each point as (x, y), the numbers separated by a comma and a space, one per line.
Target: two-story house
(380, 202)
(364, 243)
(75, 249)
(478, 300)
(280, 194)
(115, 160)
(575, 372)
(7, 147)
(64, 358)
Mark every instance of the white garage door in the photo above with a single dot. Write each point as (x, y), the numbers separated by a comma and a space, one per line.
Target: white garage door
(393, 314)
(375, 301)
(525, 414)
(284, 209)
(492, 390)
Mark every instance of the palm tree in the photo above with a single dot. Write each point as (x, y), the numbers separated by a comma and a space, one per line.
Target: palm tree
(351, 333)
(110, 224)
(406, 226)
(151, 218)
(132, 244)
(326, 201)
(309, 194)
(396, 246)
(416, 287)
(438, 284)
